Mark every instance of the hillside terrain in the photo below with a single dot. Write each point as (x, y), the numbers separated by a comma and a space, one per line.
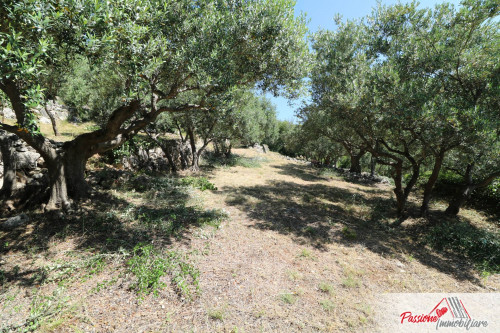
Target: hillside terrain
(258, 243)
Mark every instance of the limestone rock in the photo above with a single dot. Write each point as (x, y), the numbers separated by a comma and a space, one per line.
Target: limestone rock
(15, 222)
(44, 120)
(26, 159)
(8, 113)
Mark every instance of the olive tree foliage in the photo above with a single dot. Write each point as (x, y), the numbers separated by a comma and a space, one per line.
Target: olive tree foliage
(289, 141)
(160, 50)
(252, 121)
(410, 85)
(321, 128)
(358, 101)
(447, 58)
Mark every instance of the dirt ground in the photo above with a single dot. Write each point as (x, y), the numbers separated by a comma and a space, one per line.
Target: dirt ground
(299, 253)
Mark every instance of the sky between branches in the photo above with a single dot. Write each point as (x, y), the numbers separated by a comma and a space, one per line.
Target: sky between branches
(320, 14)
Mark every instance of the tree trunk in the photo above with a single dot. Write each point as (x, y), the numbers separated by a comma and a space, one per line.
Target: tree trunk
(403, 193)
(355, 162)
(424, 209)
(75, 161)
(373, 164)
(52, 120)
(195, 156)
(398, 189)
(465, 192)
(169, 154)
(9, 170)
(228, 150)
(195, 163)
(459, 200)
(67, 177)
(184, 160)
(59, 198)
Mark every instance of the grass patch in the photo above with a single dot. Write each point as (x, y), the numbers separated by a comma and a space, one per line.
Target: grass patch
(351, 282)
(308, 198)
(348, 233)
(149, 266)
(43, 309)
(481, 246)
(327, 305)
(235, 160)
(329, 173)
(294, 275)
(305, 253)
(288, 298)
(216, 314)
(172, 221)
(326, 288)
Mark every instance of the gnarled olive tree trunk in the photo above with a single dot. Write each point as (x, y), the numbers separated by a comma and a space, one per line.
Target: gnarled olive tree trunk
(356, 162)
(466, 190)
(9, 170)
(438, 162)
(66, 161)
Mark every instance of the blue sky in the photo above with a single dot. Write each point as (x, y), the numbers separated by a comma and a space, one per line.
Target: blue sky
(320, 14)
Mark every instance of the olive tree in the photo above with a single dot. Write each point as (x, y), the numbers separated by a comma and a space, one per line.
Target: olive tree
(161, 50)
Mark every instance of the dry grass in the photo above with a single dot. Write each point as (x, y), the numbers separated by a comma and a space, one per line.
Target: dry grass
(299, 252)
(67, 130)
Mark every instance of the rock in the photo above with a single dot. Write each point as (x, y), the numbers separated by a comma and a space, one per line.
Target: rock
(26, 160)
(61, 114)
(399, 263)
(15, 222)
(41, 162)
(258, 148)
(265, 148)
(8, 113)
(44, 120)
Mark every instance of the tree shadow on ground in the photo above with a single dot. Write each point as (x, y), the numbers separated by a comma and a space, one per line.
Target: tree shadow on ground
(304, 173)
(105, 224)
(312, 174)
(318, 214)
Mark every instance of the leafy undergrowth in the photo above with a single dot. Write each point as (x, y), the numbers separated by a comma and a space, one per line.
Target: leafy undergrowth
(481, 246)
(149, 266)
(201, 183)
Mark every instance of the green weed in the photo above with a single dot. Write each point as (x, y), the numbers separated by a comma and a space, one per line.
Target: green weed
(288, 298)
(351, 282)
(326, 288)
(200, 183)
(149, 266)
(216, 314)
(349, 233)
(327, 305)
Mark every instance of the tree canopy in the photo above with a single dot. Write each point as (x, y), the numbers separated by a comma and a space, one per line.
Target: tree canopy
(158, 50)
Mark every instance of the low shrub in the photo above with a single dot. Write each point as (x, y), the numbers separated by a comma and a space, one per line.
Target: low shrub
(200, 183)
(481, 246)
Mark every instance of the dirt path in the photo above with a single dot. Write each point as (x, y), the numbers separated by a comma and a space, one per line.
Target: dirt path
(294, 258)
